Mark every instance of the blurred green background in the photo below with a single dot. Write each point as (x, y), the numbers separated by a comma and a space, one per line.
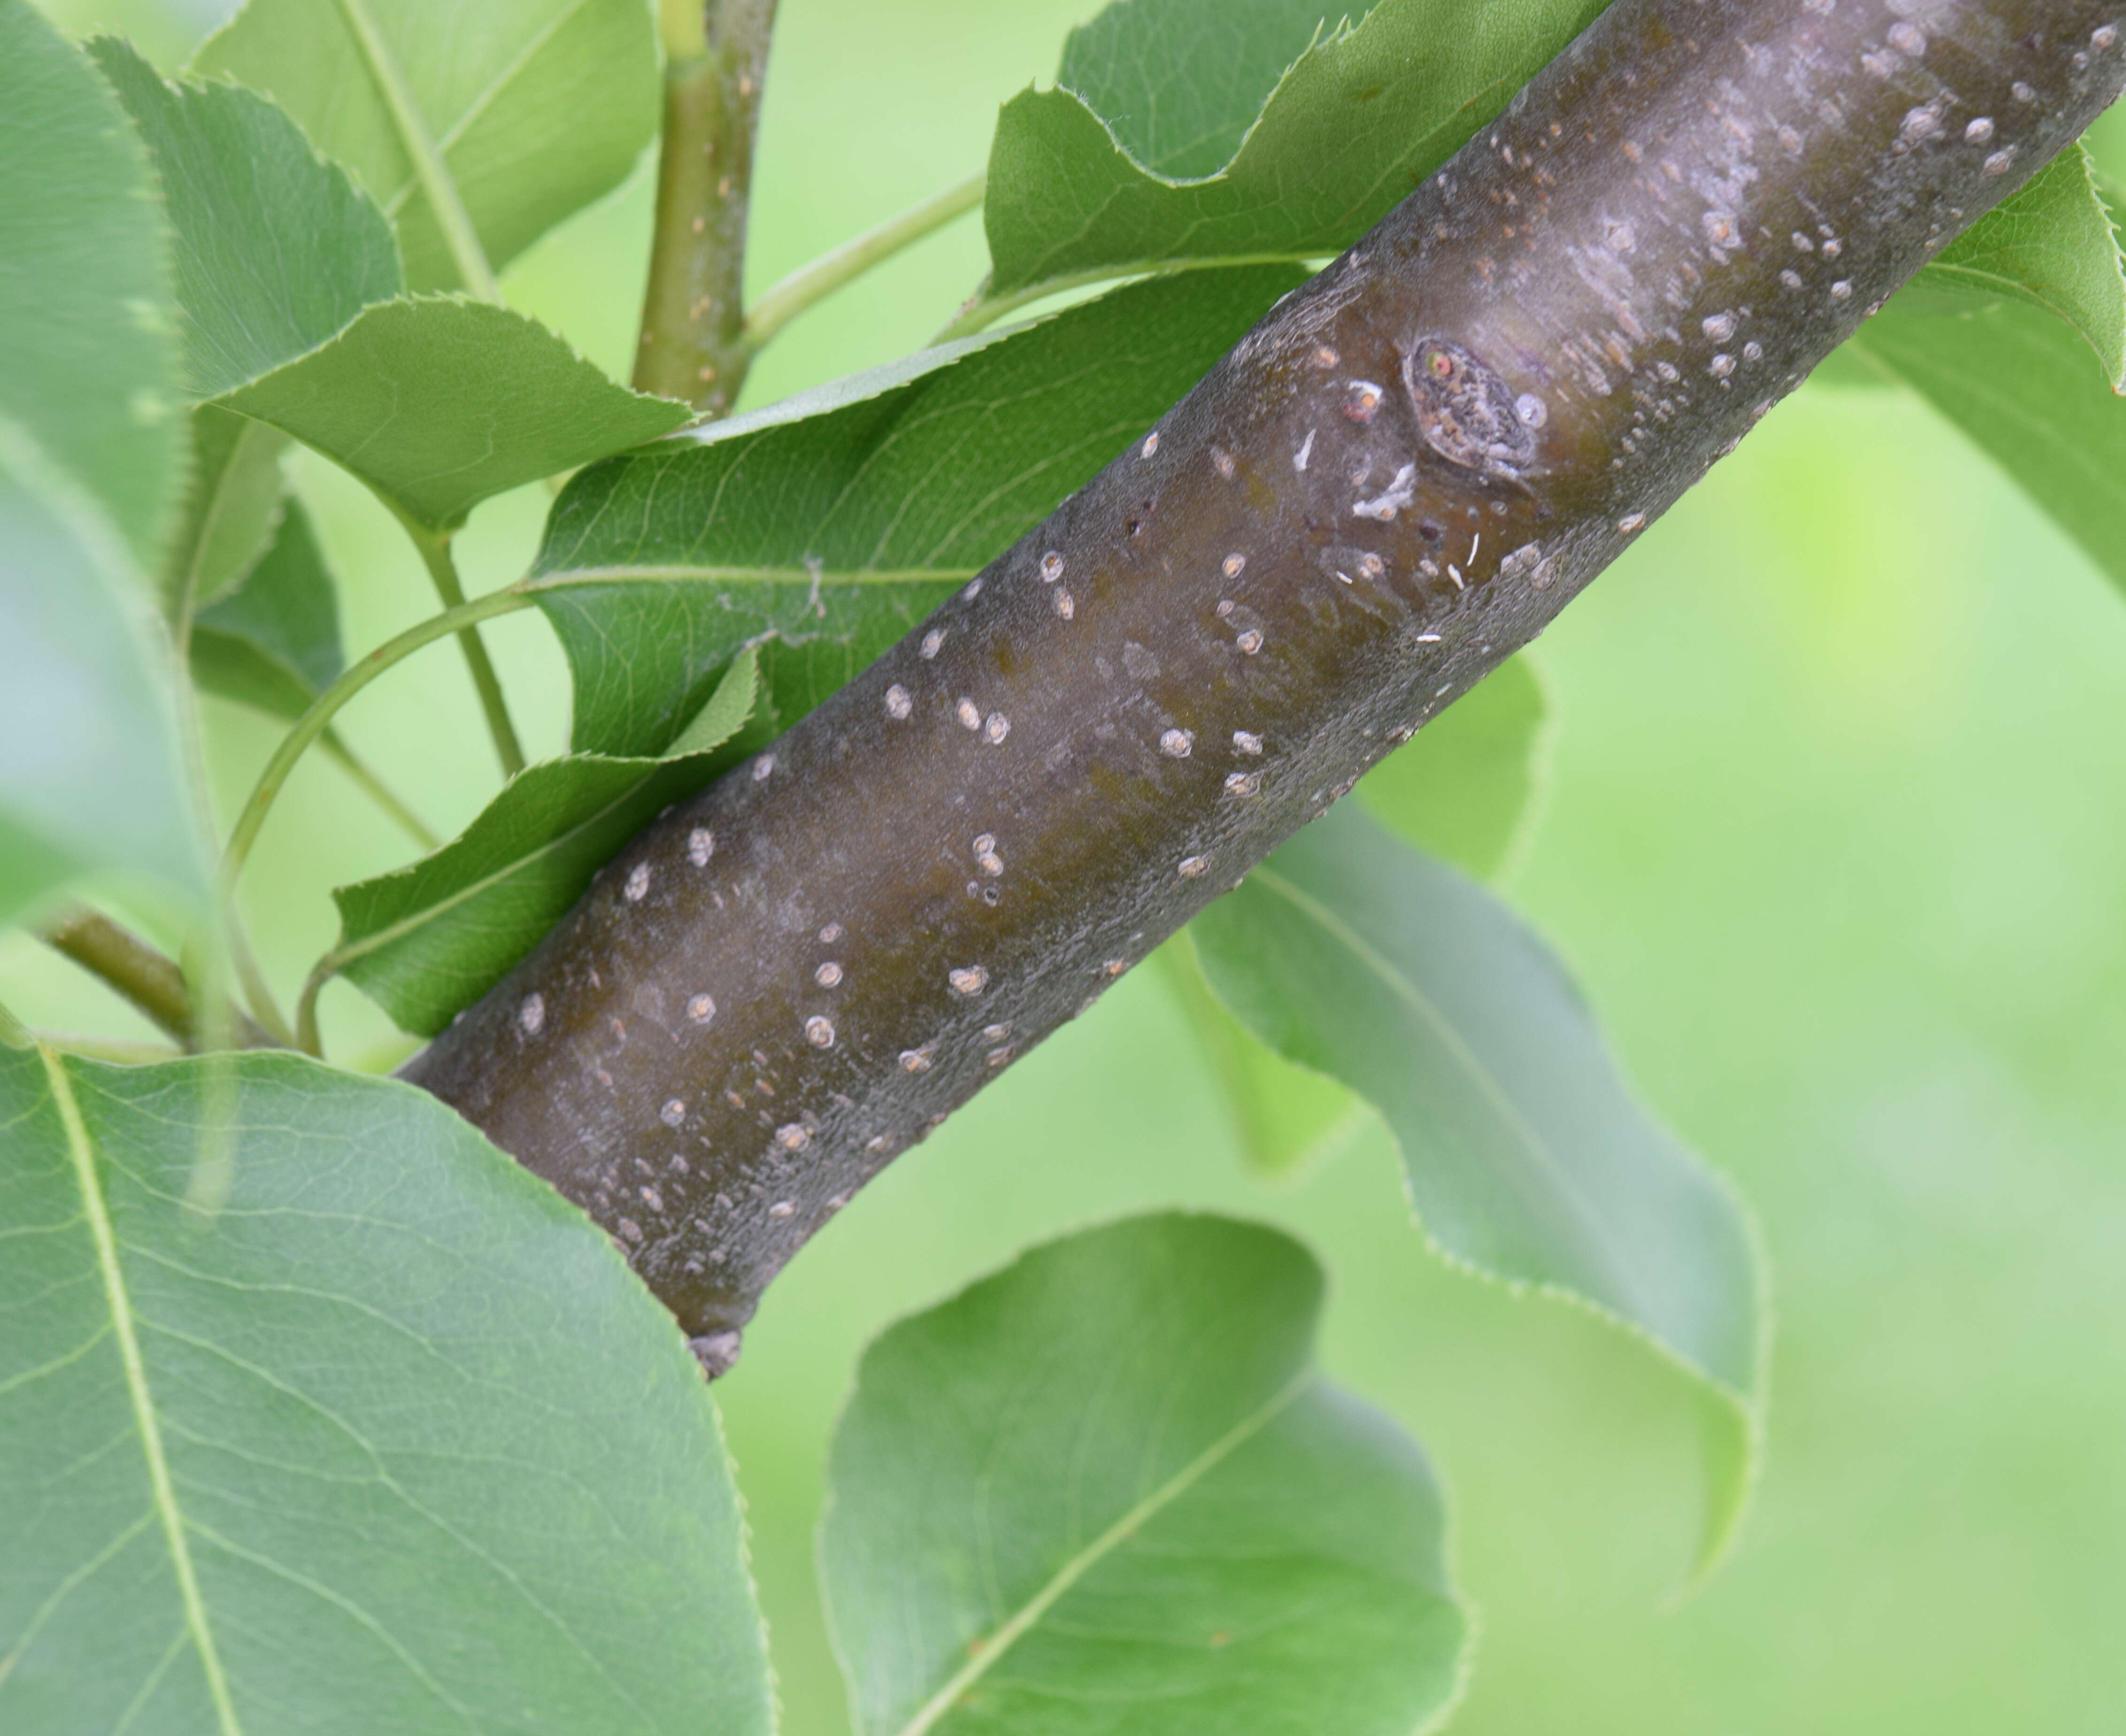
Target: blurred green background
(1833, 837)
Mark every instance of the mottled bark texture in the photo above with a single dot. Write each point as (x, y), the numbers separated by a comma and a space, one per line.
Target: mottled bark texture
(1393, 482)
(693, 311)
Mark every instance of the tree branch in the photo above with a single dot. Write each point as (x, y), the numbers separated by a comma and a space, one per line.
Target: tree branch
(694, 342)
(1392, 484)
(151, 981)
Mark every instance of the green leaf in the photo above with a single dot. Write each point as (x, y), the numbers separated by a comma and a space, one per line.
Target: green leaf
(2052, 246)
(2020, 384)
(87, 333)
(317, 1412)
(432, 938)
(1528, 1156)
(274, 641)
(1363, 115)
(89, 774)
(835, 523)
(277, 249)
(437, 402)
(1464, 787)
(1289, 1118)
(89, 777)
(1105, 1491)
(231, 504)
(515, 112)
(1177, 96)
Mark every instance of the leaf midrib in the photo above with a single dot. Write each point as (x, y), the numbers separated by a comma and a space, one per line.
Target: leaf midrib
(81, 1153)
(1537, 1148)
(1074, 1569)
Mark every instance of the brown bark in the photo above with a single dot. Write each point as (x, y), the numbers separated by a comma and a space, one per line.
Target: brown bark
(1392, 484)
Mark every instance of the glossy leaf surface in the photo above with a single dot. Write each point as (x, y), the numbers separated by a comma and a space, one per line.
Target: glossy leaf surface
(1362, 116)
(1528, 1156)
(435, 936)
(1104, 1490)
(277, 249)
(437, 402)
(525, 110)
(318, 1413)
(833, 532)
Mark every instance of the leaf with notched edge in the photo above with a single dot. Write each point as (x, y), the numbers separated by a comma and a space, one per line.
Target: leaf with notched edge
(277, 249)
(2052, 246)
(832, 533)
(1362, 116)
(533, 108)
(1103, 1493)
(318, 1412)
(425, 940)
(1527, 1156)
(437, 402)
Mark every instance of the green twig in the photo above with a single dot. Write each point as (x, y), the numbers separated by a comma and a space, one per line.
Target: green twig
(306, 1004)
(153, 982)
(445, 202)
(830, 271)
(436, 556)
(694, 345)
(377, 790)
(313, 722)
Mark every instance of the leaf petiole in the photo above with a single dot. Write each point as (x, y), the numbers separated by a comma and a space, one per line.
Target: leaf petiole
(314, 722)
(435, 547)
(808, 284)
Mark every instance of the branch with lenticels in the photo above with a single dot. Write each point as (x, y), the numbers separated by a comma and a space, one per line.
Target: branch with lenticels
(1393, 482)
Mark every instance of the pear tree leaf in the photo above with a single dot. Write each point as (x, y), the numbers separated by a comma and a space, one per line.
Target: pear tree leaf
(273, 642)
(277, 249)
(1289, 1118)
(519, 112)
(2020, 384)
(231, 506)
(1464, 788)
(437, 402)
(318, 1412)
(88, 340)
(1092, 181)
(1105, 1491)
(1528, 1158)
(2052, 245)
(832, 524)
(428, 940)
(89, 774)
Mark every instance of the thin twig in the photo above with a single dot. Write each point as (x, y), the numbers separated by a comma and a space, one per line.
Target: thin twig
(377, 790)
(853, 258)
(694, 344)
(151, 980)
